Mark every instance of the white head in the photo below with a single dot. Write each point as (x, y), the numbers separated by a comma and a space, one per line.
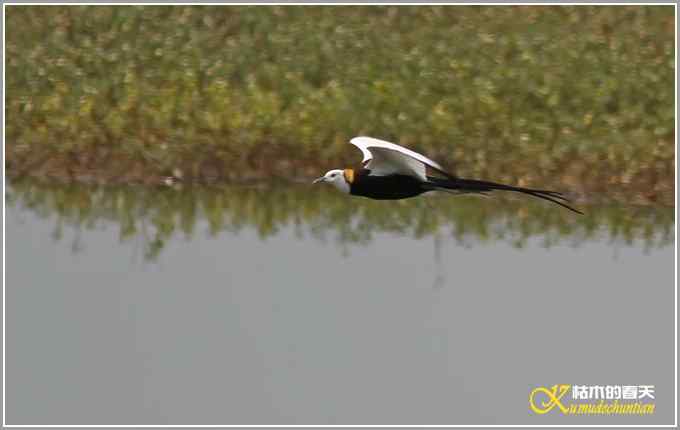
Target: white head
(336, 177)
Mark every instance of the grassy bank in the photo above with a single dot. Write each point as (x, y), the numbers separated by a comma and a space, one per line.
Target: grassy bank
(153, 216)
(577, 97)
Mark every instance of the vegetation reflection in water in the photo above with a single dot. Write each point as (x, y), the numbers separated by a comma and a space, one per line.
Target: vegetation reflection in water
(157, 215)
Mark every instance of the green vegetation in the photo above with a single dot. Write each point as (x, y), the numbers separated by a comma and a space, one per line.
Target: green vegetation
(152, 216)
(575, 97)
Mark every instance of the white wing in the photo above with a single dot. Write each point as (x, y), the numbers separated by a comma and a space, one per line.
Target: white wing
(385, 158)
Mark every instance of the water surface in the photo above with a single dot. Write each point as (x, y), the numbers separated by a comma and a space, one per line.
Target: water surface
(294, 305)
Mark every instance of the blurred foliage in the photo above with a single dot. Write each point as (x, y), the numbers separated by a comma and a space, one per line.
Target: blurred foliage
(153, 216)
(576, 95)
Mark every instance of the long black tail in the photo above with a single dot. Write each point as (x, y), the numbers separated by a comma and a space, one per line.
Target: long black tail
(481, 187)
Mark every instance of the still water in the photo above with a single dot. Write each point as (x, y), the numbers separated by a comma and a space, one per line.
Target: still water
(293, 305)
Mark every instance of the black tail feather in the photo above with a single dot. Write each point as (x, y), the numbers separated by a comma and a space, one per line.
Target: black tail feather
(475, 186)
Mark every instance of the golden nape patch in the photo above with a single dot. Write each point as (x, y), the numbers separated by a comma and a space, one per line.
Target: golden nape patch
(349, 175)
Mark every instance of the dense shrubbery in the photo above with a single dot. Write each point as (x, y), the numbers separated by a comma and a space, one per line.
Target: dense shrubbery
(582, 96)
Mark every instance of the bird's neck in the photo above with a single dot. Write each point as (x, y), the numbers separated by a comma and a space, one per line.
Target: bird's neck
(349, 175)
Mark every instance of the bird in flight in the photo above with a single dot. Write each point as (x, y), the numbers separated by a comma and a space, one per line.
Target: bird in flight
(392, 172)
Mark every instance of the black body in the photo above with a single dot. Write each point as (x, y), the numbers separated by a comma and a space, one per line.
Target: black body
(391, 187)
(394, 187)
